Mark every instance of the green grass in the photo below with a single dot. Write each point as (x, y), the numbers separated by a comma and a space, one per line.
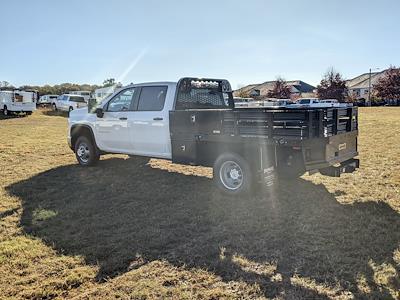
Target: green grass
(134, 228)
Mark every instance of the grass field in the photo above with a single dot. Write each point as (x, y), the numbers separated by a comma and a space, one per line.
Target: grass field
(133, 228)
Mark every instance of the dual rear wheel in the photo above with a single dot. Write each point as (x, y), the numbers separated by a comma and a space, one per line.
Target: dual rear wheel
(232, 174)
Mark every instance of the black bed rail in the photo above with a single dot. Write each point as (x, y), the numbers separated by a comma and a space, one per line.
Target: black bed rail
(290, 123)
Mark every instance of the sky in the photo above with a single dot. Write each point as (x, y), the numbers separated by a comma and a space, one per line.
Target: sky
(252, 41)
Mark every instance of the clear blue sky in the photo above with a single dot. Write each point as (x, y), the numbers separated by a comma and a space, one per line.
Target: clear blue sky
(244, 41)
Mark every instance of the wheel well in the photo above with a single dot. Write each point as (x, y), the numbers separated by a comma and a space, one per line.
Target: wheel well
(78, 131)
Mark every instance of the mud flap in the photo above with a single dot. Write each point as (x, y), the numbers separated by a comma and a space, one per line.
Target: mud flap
(348, 166)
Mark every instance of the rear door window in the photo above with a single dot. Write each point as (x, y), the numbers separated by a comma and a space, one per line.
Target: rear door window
(152, 98)
(76, 99)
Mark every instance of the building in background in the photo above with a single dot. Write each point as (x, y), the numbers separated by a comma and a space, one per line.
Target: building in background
(358, 87)
(298, 89)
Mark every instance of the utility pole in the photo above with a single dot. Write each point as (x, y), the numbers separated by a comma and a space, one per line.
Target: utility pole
(369, 85)
(369, 88)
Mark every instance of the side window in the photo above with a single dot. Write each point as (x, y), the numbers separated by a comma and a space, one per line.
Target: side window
(152, 98)
(122, 102)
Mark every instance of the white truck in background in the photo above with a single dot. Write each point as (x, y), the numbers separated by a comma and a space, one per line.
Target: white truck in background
(17, 102)
(47, 99)
(68, 102)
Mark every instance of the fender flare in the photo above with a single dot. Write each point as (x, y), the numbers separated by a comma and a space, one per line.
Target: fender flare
(77, 127)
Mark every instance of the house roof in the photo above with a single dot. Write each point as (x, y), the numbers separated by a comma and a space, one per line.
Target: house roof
(297, 86)
(362, 81)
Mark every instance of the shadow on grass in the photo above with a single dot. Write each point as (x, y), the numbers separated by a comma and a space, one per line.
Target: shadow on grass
(12, 116)
(122, 209)
(50, 112)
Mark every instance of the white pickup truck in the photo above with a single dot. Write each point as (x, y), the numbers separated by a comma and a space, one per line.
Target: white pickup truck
(69, 102)
(194, 122)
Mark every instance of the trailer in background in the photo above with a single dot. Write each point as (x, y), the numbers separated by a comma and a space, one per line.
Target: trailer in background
(102, 93)
(85, 94)
(17, 101)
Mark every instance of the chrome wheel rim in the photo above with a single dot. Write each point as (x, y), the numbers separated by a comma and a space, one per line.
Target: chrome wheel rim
(231, 175)
(83, 152)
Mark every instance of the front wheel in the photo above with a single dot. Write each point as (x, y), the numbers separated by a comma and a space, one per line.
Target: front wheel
(232, 174)
(86, 152)
(5, 111)
(54, 107)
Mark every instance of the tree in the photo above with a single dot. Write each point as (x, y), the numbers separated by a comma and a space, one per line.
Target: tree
(109, 82)
(332, 86)
(280, 90)
(242, 94)
(388, 86)
(5, 85)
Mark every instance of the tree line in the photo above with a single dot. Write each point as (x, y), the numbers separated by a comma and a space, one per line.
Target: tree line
(58, 89)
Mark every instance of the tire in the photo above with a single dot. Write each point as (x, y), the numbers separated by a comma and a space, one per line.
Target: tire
(86, 152)
(70, 109)
(232, 174)
(28, 113)
(290, 165)
(54, 107)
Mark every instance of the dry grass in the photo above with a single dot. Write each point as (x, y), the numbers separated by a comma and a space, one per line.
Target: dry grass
(130, 228)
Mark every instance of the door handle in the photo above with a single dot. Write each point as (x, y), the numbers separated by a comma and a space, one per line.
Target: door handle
(123, 118)
(158, 119)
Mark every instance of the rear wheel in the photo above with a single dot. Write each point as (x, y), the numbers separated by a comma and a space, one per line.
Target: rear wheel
(86, 152)
(232, 174)
(290, 164)
(70, 109)
(54, 107)
(6, 112)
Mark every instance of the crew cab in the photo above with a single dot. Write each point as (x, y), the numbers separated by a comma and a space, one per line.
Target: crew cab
(194, 122)
(69, 102)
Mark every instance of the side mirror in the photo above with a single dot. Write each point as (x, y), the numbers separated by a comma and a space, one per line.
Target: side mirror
(92, 105)
(99, 112)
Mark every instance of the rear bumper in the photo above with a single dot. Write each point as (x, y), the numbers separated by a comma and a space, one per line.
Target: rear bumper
(348, 166)
(25, 107)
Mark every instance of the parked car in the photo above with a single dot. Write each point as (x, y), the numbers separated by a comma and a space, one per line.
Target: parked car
(277, 103)
(17, 102)
(47, 99)
(69, 102)
(194, 122)
(307, 102)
